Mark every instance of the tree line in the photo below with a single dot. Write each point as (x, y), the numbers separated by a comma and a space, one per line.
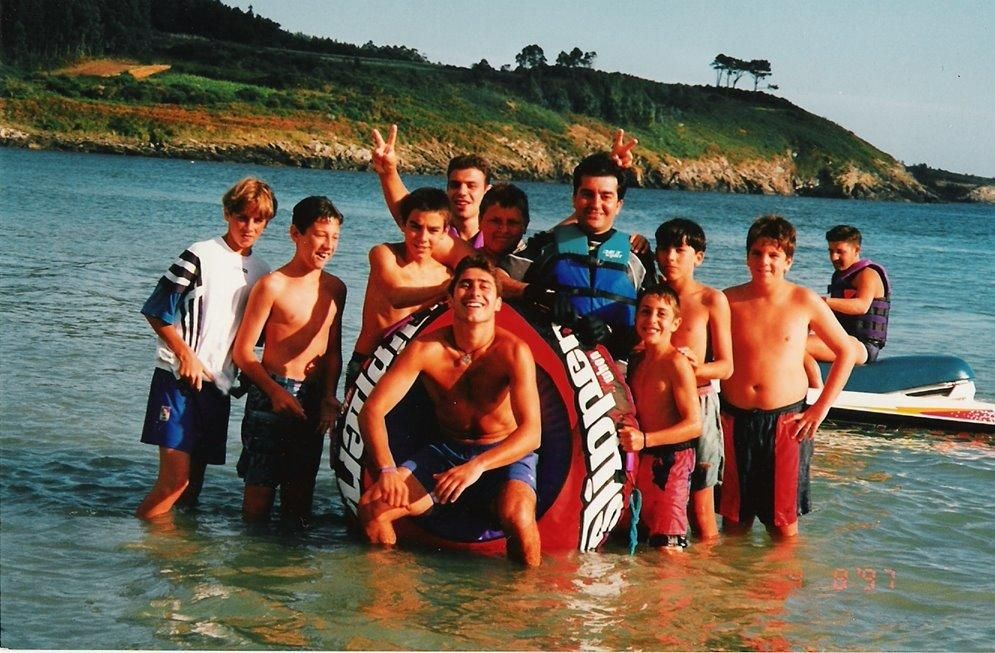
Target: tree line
(734, 69)
(37, 32)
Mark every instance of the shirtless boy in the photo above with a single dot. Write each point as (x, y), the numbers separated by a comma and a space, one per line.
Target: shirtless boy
(663, 385)
(767, 428)
(703, 336)
(859, 296)
(291, 403)
(403, 276)
(482, 382)
(195, 310)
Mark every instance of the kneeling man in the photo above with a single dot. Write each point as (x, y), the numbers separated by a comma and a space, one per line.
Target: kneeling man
(482, 382)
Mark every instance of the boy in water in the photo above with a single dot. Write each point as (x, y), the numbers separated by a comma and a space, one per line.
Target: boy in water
(768, 429)
(703, 336)
(291, 402)
(481, 380)
(403, 276)
(195, 310)
(662, 380)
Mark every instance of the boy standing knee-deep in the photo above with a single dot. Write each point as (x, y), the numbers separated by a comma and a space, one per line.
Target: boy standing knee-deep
(291, 403)
(195, 310)
(768, 429)
(663, 386)
(703, 336)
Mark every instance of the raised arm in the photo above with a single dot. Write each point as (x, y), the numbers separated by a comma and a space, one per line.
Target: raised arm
(257, 311)
(384, 159)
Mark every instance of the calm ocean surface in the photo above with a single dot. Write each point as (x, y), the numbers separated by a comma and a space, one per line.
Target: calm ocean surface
(897, 554)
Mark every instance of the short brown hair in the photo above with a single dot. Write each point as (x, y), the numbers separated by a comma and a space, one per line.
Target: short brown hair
(844, 233)
(664, 291)
(507, 196)
(250, 196)
(478, 261)
(773, 227)
(470, 162)
(426, 200)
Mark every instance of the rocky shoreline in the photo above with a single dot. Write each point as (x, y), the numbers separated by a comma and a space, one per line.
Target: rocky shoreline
(532, 161)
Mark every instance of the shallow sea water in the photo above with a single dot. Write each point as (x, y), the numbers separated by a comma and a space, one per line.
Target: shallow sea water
(896, 555)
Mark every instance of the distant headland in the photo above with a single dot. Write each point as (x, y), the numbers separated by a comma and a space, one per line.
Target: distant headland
(196, 79)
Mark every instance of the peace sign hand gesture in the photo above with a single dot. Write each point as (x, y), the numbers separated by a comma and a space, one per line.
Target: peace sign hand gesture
(622, 151)
(383, 155)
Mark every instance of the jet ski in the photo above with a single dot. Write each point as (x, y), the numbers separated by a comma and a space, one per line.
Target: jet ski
(931, 391)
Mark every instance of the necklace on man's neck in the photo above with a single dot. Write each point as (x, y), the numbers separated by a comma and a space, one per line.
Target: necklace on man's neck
(466, 357)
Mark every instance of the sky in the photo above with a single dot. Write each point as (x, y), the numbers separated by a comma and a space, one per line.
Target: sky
(915, 78)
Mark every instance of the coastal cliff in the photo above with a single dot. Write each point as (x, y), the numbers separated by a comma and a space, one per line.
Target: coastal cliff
(283, 107)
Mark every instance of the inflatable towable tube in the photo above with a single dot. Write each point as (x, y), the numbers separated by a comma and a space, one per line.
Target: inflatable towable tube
(581, 489)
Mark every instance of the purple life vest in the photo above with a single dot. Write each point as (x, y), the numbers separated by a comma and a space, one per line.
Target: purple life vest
(872, 326)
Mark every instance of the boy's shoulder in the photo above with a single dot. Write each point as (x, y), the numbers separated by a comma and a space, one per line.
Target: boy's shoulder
(208, 247)
(332, 282)
(799, 294)
(733, 293)
(384, 252)
(274, 281)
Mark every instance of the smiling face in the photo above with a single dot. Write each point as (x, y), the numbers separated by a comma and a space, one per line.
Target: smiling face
(422, 232)
(843, 254)
(678, 263)
(657, 318)
(767, 261)
(465, 189)
(475, 296)
(596, 204)
(317, 245)
(244, 229)
(502, 228)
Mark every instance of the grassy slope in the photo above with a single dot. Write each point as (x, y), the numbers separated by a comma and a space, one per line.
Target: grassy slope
(250, 97)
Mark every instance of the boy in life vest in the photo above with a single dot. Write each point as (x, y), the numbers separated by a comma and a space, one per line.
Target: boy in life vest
(291, 403)
(195, 310)
(662, 381)
(703, 336)
(767, 427)
(859, 296)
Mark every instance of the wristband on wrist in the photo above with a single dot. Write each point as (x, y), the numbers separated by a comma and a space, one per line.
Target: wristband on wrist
(644, 439)
(387, 470)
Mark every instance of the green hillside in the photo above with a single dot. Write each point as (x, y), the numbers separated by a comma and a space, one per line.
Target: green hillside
(287, 105)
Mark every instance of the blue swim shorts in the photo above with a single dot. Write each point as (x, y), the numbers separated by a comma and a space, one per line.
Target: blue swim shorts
(276, 448)
(709, 455)
(181, 418)
(440, 456)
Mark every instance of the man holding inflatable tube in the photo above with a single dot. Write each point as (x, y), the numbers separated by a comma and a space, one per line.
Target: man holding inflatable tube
(482, 382)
